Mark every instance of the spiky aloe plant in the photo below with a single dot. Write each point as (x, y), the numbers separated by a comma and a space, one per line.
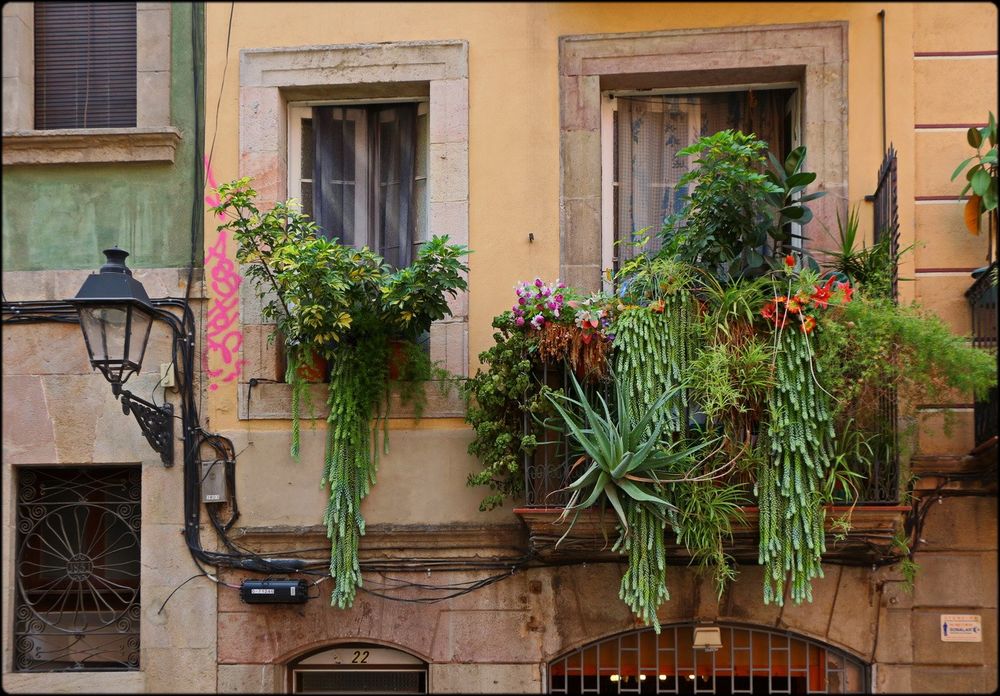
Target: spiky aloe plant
(627, 465)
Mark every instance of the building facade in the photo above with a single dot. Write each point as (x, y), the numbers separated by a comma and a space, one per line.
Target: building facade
(515, 109)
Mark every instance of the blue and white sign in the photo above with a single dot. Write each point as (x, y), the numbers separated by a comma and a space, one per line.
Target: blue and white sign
(961, 628)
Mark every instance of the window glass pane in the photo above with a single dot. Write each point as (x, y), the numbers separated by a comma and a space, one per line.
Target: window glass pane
(650, 130)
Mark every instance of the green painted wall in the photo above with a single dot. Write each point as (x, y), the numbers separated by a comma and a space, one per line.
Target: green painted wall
(61, 216)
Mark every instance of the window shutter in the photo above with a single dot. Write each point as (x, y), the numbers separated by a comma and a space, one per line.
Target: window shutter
(85, 65)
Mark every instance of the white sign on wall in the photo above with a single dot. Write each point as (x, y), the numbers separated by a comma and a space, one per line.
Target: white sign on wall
(962, 628)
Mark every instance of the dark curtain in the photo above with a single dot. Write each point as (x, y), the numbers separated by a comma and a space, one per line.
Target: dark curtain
(363, 191)
(396, 137)
(335, 164)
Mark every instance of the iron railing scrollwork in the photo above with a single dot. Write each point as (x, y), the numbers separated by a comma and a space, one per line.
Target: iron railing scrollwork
(77, 569)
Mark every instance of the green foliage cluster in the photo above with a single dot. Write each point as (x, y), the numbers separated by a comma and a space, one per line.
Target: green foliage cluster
(498, 397)
(785, 370)
(727, 221)
(981, 176)
(873, 343)
(624, 462)
(344, 305)
(789, 486)
(870, 269)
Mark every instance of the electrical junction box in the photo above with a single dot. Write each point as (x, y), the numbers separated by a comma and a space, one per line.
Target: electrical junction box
(274, 591)
(213, 481)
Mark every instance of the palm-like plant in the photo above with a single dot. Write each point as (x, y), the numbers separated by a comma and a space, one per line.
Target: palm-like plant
(630, 466)
(626, 463)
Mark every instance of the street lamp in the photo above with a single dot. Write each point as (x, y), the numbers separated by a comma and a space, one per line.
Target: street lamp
(116, 315)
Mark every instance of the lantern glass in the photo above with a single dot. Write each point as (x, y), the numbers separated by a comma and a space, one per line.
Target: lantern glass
(116, 337)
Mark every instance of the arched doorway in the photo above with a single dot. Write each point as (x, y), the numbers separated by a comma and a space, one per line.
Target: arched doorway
(349, 668)
(752, 660)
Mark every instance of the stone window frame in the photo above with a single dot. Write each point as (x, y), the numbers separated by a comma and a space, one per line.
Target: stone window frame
(270, 78)
(814, 55)
(152, 140)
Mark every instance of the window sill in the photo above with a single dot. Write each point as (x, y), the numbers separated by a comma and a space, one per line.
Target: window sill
(273, 401)
(90, 145)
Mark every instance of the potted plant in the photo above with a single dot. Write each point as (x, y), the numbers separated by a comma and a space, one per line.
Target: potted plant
(345, 306)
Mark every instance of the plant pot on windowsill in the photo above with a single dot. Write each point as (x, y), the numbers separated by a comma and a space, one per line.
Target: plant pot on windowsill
(316, 370)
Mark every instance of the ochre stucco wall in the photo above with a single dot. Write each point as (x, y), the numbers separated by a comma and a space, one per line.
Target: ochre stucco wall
(514, 189)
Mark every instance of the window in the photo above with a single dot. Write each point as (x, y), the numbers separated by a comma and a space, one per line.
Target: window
(648, 129)
(85, 65)
(77, 569)
(360, 171)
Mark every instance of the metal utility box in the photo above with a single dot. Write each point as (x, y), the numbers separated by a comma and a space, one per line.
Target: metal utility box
(213, 481)
(274, 591)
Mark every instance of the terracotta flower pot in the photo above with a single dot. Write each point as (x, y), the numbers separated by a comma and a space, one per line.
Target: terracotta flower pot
(315, 370)
(397, 358)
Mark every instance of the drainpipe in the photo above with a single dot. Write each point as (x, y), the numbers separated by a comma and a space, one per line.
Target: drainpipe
(881, 18)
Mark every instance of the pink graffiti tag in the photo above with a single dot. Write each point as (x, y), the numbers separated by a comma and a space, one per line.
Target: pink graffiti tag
(222, 333)
(213, 200)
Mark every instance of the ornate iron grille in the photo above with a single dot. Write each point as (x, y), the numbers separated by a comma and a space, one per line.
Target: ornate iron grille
(751, 661)
(882, 484)
(982, 297)
(77, 569)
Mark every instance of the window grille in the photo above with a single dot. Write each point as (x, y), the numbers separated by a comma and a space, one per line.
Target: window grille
(750, 661)
(77, 569)
(85, 65)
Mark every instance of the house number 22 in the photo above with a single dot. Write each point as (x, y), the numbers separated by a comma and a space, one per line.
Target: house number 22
(360, 657)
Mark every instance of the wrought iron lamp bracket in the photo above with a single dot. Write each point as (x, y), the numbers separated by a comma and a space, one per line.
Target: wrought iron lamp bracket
(156, 422)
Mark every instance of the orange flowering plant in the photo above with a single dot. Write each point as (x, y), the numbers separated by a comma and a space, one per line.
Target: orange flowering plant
(805, 294)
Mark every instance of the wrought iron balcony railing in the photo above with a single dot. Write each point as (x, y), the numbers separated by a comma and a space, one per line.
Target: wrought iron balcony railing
(982, 297)
(549, 469)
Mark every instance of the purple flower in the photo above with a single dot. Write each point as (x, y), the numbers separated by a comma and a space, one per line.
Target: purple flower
(518, 312)
(538, 321)
(551, 305)
(538, 282)
(519, 321)
(558, 298)
(545, 292)
(522, 301)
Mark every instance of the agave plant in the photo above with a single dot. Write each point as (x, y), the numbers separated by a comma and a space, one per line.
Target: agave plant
(623, 462)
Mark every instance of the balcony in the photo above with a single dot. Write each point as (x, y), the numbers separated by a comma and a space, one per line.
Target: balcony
(982, 297)
(875, 515)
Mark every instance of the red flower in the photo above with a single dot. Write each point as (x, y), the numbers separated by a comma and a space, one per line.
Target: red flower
(821, 296)
(769, 309)
(808, 324)
(847, 290)
(789, 260)
(794, 305)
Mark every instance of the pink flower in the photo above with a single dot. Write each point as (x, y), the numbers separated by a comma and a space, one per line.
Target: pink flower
(538, 321)
(545, 292)
(522, 301)
(538, 282)
(519, 321)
